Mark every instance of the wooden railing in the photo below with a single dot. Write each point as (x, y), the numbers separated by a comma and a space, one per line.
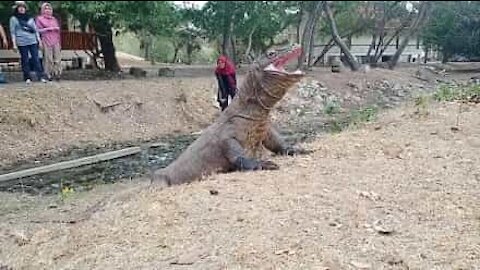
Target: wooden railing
(77, 41)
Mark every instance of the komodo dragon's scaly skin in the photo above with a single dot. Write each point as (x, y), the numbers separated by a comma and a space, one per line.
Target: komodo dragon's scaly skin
(233, 141)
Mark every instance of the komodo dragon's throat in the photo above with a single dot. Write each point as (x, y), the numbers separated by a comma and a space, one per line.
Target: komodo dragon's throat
(242, 130)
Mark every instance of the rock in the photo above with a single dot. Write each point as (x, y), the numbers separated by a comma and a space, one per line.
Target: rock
(166, 72)
(284, 251)
(360, 265)
(383, 227)
(137, 72)
(370, 195)
(394, 261)
(20, 238)
(352, 85)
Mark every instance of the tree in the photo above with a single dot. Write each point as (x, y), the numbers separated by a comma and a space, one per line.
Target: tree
(143, 18)
(312, 14)
(453, 29)
(350, 59)
(101, 15)
(251, 25)
(387, 13)
(148, 19)
(421, 17)
(351, 18)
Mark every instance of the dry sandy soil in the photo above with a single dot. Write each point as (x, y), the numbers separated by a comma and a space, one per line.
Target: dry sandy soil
(46, 120)
(399, 193)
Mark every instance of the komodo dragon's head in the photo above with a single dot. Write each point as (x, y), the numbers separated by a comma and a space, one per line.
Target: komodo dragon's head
(269, 80)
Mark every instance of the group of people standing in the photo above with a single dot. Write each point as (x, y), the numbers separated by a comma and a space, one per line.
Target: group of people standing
(29, 35)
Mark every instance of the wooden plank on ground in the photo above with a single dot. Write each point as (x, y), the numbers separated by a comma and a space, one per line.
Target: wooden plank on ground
(70, 164)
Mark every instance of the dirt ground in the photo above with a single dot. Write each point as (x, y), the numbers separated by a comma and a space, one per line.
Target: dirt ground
(399, 193)
(402, 192)
(45, 120)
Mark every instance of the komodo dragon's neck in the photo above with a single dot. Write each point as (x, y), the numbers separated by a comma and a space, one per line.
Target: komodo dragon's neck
(258, 94)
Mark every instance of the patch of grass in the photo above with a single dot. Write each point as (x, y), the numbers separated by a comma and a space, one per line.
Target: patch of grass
(336, 126)
(65, 191)
(331, 108)
(354, 119)
(421, 105)
(367, 114)
(457, 93)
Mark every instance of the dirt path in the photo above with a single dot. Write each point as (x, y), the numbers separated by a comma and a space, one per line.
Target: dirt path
(400, 193)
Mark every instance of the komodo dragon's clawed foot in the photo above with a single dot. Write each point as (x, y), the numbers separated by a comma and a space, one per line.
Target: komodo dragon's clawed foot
(247, 164)
(269, 165)
(295, 150)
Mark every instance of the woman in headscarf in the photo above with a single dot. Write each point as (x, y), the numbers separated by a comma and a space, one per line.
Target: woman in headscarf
(227, 81)
(49, 30)
(25, 38)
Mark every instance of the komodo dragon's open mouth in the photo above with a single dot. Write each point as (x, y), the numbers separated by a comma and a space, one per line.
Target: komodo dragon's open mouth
(278, 63)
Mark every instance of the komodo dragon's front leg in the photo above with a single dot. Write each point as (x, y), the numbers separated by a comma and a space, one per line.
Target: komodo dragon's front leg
(275, 143)
(235, 154)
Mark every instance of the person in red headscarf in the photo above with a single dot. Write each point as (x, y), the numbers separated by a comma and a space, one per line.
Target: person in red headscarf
(227, 81)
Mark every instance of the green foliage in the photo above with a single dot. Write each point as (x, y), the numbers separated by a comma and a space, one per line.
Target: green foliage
(445, 93)
(353, 119)
(454, 28)
(265, 19)
(348, 15)
(421, 104)
(457, 93)
(158, 18)
(66, 192)
(367, 114)
(331, 108)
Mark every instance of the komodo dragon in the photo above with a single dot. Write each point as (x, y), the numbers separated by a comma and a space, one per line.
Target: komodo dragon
(235, 139)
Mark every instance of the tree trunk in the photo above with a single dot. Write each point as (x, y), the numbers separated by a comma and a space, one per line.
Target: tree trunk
(379, 54)
(426, 55)
(372, 46)
(146, 51)
(445, 57)
(105, 36)
(421, 17)
(234, 50)
(175, 54)
(189, 54)
(312, 39)
(227, 44)
(249, 46)
(331, 43)
(299, 23)
(326, 48)
(308, 32)
(351, 61)
(380, 26)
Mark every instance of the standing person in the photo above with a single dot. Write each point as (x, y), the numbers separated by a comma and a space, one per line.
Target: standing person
(49, 30)
(26, 40)
(227, 81)
(4, 44)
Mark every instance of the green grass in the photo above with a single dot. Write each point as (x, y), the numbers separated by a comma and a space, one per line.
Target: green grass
(457, 93)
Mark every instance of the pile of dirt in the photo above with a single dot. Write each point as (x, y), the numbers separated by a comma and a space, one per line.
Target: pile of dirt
(323, 93)
(42, 119)
(400, 193)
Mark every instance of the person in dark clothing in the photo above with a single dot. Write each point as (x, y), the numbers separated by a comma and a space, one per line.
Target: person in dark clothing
(227, 81)
(26, 40)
